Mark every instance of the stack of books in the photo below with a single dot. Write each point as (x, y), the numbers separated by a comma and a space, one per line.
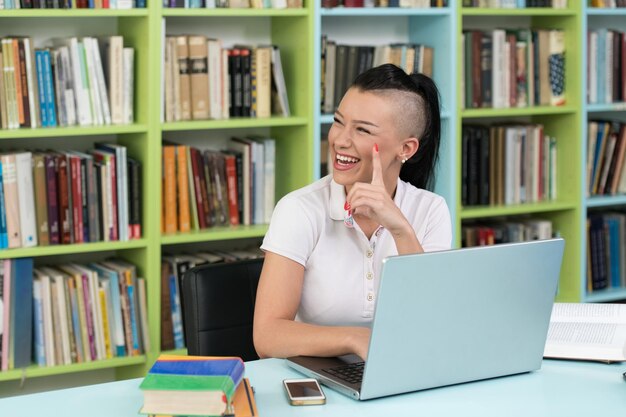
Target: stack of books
(197, 385)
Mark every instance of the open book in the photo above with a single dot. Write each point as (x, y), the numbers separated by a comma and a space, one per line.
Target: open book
(587, 331)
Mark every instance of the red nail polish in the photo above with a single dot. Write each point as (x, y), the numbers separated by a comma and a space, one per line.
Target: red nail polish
(376, 147)
(346, 206)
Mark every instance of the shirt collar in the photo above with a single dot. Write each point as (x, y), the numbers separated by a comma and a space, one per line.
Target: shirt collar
(338, 198)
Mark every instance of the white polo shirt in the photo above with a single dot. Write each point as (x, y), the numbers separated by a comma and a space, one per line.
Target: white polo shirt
(341, 266)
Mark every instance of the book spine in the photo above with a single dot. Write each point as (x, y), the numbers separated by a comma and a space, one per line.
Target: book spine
(63, 192)
(52, 199)
(184, 223)
(91, 335)
(77, 198)
(231, 181)
(176, 313)
(9, 179)
(24, 84)
(47, 76)
(4, 242)
(25, 193)
(41, 211)
(169, 189)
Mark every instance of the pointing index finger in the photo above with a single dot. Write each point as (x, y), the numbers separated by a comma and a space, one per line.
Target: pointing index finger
(377, 169)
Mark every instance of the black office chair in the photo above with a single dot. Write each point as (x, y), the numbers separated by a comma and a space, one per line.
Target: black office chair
(218, 308)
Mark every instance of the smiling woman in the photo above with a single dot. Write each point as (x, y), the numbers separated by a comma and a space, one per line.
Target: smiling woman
(319, 282)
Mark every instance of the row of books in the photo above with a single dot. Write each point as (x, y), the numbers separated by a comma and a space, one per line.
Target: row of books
(606, 66)
(610, 4)
(197, 385)
(507, 165)
(385, 3)
(203, 80)
(606, 146)
(172, 269)
(71, 313)
(69, 4)
(341, 64)
(606, 250)
(66, 85)
(64, 197)
(235, 4)
(513, 68)
(516, 4)
(505, 231)
(209, 188)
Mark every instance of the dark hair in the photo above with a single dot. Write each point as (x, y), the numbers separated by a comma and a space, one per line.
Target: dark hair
(420, 168)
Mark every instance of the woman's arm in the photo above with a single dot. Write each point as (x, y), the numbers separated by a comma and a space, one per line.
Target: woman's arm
(276, 334)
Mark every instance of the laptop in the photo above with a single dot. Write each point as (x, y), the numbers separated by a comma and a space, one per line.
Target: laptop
(450, 317)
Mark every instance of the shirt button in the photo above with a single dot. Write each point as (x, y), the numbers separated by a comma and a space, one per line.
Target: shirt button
(369, 253)
(370, 297)
(369, 275)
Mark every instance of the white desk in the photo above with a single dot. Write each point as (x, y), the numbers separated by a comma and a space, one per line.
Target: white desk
(560, 388)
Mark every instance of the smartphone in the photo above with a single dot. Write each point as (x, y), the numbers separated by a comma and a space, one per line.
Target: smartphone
(304, 391)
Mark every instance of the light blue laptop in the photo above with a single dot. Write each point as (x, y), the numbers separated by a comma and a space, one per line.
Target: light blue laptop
(449, 317)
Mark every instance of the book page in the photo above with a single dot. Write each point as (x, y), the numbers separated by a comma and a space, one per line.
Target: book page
(592, 341)
(588, 313)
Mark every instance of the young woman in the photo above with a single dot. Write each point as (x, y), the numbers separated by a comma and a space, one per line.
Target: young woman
(326, 241)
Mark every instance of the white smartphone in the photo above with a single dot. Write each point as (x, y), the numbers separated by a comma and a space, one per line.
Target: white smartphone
(304, 391)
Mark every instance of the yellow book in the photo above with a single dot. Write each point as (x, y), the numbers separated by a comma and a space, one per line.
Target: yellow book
(169, 189)
(184, 224)
(105, 322)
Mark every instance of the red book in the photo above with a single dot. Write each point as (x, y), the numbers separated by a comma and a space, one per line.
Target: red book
(64, 201)
(231, 184)
(206, 207)
(52, 198)
(196, 172)
(353, 3)
(77, 198)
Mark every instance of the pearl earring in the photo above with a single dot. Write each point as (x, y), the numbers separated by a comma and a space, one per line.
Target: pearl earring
(404, 160)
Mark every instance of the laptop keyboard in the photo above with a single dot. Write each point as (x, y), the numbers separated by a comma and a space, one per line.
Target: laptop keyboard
(352, 373)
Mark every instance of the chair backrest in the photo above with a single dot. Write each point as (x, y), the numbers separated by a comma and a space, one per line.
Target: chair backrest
(218, 308)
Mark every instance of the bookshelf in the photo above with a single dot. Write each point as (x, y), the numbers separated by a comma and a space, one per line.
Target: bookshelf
(434, 27)
(291, 29)
(562, 122)
(594, 19)
(44, 25)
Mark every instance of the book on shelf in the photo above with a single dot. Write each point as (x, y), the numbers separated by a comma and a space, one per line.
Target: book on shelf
(342, 64)
(254, 4)
(65, 197)
(507, 165)
(516, 4)
(606, 63)
(195, 385)
(65, 85)
(492, 232)
(606, 250)
(219, 83)
(385, 3)
(589, 331)
(18, 313)
(71, 4)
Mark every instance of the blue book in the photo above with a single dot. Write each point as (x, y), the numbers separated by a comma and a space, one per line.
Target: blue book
(39, 349)
(43, 106)
(49, 86)
(614, 251)
(21, 318)
(177, 323)
(4, 242)
(133, 316)
(232, 367)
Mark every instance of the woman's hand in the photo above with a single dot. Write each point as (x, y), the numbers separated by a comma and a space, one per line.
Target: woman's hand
(373, 202)
(360, 340)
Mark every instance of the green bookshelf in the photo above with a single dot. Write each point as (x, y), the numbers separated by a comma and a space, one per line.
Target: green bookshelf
(560, 122)
(292, 30)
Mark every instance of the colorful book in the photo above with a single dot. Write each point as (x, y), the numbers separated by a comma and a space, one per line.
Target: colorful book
(191, 385)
